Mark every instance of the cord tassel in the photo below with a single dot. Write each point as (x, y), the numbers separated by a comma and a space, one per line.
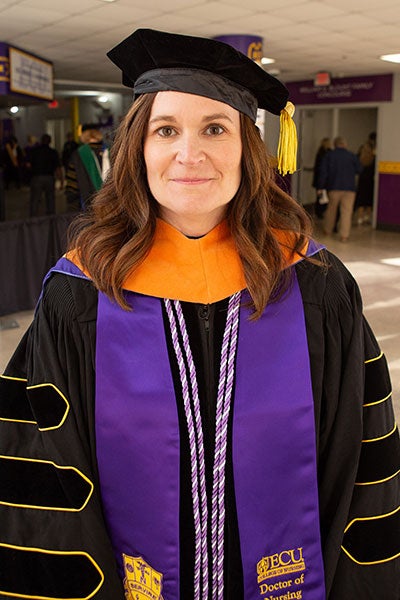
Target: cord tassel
(287, 148)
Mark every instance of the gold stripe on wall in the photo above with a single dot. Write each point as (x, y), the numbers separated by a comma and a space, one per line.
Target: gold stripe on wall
(387, 166)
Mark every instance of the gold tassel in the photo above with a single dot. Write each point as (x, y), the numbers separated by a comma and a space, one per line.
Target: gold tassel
(287, 147)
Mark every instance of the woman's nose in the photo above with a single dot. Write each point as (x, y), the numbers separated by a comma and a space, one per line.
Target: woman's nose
(189, 149)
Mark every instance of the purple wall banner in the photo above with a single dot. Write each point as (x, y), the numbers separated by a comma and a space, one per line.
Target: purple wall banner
(372, 88)
(4, 69)
(30, 75)
(25, 74)
(250, 45)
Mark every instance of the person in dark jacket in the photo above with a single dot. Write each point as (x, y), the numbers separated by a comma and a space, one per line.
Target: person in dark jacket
(87, 168)
(320, 204)
(199, 410)
(70, 145)
(45, 167)
(13, 160)
(32, 143)
(366, 181)
(338, 175)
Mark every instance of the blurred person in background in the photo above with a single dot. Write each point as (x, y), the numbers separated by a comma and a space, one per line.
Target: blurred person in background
(320, 200)
(366, 181)
(13, 160)
(45, 169)
(338, 175)
(32, 143)
(68, 148)
(87, 168)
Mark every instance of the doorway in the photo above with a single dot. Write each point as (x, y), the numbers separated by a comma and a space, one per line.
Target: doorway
(355, 124)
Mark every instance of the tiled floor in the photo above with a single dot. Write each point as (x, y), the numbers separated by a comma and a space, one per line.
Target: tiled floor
(374, 259)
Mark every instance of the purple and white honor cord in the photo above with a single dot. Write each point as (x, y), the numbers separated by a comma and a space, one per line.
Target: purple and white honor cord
(224, 397)
(197, 461)
(196, 441)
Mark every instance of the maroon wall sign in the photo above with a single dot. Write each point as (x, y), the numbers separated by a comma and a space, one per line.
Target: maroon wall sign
(373, 88)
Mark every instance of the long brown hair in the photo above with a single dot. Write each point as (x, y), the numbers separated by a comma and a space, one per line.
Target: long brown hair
(117, 231)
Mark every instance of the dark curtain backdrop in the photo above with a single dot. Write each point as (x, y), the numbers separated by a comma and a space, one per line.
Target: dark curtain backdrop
(27, 250)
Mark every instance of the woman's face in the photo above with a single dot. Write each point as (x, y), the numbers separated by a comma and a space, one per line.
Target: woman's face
(193, 152)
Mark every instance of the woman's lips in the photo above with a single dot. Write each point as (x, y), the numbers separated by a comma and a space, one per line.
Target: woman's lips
(191, 180)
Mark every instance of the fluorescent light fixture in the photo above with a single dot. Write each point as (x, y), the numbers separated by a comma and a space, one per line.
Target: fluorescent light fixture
(267, 61)
(103, 99)
(395, 58)
(14, 109)
(391, 261)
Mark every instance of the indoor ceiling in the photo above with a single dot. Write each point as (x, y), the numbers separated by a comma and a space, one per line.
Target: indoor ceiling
(344, 37)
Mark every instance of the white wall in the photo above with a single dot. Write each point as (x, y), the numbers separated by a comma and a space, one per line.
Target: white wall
(355, 124)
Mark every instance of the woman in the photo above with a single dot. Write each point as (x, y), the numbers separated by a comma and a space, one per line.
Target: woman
(320, 200)
(366, 181)
(13, 159)
(195, 373)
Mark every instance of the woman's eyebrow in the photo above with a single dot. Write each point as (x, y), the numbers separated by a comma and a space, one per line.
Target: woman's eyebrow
(216, 117)
(205, 119)
(158, 118)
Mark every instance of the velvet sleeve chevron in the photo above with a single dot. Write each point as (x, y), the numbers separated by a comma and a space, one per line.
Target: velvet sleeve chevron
(372, 536)
(357, 439)
(53, 541)
(369, 563)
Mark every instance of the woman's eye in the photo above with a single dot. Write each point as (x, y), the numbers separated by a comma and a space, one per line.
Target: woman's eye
(215, 130)
(166, 131)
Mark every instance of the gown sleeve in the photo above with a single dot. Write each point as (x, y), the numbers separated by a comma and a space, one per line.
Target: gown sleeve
(53, 540)
(357, 439)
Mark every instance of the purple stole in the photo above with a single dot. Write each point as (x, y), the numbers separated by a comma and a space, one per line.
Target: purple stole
(274, 450)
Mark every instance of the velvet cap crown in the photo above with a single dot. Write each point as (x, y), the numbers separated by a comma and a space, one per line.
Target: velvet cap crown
(153, 61)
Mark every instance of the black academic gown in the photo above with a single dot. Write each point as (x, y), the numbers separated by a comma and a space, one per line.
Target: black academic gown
(352, 403)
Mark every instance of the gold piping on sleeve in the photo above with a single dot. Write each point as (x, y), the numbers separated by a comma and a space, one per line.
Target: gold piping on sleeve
(55, 552)
(376, 562)
(388, 396)
(379, 401)
(61, 423)
(380, 480)
(373, 359)
(49, 462)
(13, 378)
(16, 420)
(374, 518)
(381, 437)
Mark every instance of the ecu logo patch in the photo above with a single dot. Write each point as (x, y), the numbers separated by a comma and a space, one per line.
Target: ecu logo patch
(141, 582)
(282, 563)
